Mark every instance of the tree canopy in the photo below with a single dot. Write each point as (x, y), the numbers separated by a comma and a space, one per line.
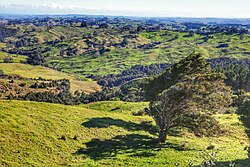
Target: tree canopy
(194, 63)
(186, 94)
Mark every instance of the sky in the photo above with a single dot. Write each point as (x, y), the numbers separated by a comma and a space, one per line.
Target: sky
(149, 8)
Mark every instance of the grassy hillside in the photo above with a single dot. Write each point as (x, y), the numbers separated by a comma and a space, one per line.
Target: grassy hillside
(15, 58)
(173, 47)
(86, 51)
(103, 134)
(29, 71)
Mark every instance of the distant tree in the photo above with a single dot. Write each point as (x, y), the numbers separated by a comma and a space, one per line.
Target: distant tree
(83, 24)
(36, 58)
(1, 72)
(139, 29)
(62, 52)
(244, 107)
(62, 37)
(184, 100)
(191, 33)
(238, 76)
(8, 59)
(77, 93)
(103, 25)
(124, 42)
(241, 37)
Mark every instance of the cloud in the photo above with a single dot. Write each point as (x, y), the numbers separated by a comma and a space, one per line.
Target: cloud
(164, 10)
(63, 7)
(51, 8)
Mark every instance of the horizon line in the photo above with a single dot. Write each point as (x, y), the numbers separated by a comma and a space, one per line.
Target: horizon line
(110, 15)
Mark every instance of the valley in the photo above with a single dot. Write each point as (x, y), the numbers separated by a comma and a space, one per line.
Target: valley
(81, 90)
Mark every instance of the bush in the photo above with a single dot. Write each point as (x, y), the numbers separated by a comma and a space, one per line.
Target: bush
(245, 108)
(8, 59)
(1, 72)
(140, 113)
(22, 84)
(231, 110)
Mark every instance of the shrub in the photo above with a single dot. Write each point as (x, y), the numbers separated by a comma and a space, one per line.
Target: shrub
(8, 59)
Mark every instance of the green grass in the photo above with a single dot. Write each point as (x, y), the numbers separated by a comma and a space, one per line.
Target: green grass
(2, 45)
(30, 71)
(31, 135)
(169, 51)
(118, 59)
(113, 62)
(15, 58)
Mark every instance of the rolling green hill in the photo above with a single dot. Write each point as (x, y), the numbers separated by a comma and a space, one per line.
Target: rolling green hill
(96, 51)
(172, 47)
(15, 58)
(105, 134)
(30, 71)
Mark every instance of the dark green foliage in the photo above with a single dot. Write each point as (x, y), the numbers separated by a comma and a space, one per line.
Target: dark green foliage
(62, 98)
(7, 32)
(126, 76)
(186, 92)
(191, 33)
(36, 58)
(244, 111)
(8, 59)
(22, 84)
(42, 97)
(83, 24)
(35, 85)
(1, 72)
(192, 64)
(238, 75)
(245, 108)
(201, 124)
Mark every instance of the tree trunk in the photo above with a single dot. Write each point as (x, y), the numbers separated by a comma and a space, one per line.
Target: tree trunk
(162, 136)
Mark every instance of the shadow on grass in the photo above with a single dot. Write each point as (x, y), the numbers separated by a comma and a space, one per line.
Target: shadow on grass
(106, 122)
(133, 144)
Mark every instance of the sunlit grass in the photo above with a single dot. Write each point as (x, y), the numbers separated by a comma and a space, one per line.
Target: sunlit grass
(30, 71)
(31, 134)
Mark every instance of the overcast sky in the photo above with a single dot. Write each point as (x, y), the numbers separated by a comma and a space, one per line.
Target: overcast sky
(166, 8)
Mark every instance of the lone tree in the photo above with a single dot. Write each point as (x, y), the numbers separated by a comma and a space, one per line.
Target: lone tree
(185, 96)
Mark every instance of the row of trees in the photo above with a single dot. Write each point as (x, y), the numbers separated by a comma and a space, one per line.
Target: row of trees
(64, 96)
(136, 72)
(7, 32)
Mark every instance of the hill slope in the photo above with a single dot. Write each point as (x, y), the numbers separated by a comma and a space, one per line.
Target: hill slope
(31, 71)
(40, 134)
